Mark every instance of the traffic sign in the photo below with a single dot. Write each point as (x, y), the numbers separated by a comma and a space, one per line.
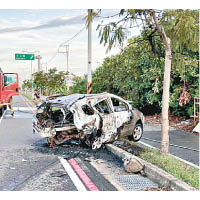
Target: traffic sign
(19, 56)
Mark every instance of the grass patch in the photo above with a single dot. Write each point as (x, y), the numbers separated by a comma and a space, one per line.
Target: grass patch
(29, 97)
(168, 163)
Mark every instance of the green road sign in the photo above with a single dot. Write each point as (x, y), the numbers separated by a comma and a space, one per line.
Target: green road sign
(24, 56)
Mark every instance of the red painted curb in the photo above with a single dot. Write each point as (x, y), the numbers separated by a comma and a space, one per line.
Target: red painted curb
(88, 183)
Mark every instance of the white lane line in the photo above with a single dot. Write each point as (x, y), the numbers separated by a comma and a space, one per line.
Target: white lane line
(2, 116)
(75, 179)
(23, 108)
(185, 161)
(147, 145)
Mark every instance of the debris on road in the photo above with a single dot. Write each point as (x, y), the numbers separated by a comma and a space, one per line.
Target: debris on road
(92, 119)
(133, 165)
(58, 174)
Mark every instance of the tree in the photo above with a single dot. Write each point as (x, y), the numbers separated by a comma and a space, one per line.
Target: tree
(155, 23)
(52, 82)
(27, 84)
(166, 84)
(136, 75)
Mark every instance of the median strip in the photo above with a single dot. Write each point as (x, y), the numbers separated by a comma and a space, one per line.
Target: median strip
(153, 172)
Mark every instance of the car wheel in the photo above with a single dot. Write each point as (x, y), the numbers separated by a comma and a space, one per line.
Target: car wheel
(1, 110)
(137, 132)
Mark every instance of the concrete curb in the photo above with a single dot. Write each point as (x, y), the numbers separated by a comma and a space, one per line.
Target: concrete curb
(154, 173)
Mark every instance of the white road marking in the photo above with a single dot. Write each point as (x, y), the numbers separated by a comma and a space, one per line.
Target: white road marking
(75, 179)
(147, 145)
(185, 161)
(2, 116)
(23, 108)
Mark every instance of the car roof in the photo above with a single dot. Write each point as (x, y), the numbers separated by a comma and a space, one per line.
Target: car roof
(69, 100)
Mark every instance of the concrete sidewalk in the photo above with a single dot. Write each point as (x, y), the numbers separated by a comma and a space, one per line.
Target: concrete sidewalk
(183, 145)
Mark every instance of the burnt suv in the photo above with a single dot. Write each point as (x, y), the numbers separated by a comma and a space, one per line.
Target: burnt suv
(92, 119)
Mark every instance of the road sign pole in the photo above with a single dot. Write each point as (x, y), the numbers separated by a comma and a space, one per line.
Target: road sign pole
(31, 79)
(39, 64)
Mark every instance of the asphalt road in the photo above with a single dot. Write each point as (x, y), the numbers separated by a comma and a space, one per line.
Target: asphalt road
(184, 145)
(28, 164)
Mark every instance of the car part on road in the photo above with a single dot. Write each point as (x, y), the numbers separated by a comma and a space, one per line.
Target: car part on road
(133, 165)
(93, 119)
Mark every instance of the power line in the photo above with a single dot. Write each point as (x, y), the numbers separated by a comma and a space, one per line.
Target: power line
(63, 43)
(72, 37)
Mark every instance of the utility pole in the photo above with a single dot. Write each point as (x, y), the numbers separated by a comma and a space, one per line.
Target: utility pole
(39, 58)
(67, 54)
(89, 77)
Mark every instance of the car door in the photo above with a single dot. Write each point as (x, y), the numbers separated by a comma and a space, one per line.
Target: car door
(10, 86)
(108, 120)
(122, 114)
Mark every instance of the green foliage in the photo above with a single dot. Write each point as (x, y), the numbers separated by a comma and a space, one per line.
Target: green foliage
(26, 84)
(182, 26)
(80, 85)
(50, 83)
(136, 74)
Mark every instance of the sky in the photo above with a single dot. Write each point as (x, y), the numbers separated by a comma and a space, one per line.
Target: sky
(44, 30)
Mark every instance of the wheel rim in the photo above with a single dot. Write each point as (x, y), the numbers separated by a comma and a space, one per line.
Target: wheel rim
(137, 132)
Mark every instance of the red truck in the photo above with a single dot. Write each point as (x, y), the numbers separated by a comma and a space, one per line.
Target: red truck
(9, 86)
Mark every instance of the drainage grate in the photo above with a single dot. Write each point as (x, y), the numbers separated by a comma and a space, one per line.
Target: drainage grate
(135, 182)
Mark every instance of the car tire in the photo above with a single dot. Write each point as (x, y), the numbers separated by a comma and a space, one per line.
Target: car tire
(137, 132)
(1, 111)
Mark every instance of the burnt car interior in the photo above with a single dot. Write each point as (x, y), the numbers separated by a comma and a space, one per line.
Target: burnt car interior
(87, 110)
(55, 114)
(103, 107)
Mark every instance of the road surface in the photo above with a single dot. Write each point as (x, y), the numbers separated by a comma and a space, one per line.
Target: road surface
(184, 145)
(28, 164)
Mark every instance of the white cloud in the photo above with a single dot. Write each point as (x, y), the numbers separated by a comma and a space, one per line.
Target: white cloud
(46, 37)
(60, 21)
(29, 23)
